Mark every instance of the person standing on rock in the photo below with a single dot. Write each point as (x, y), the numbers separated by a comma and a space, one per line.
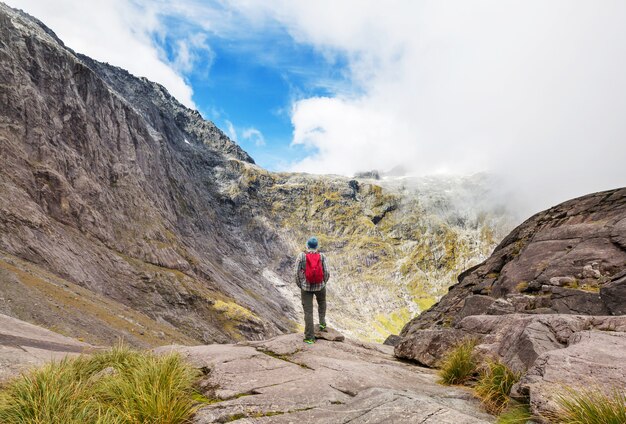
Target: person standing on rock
(311, 276)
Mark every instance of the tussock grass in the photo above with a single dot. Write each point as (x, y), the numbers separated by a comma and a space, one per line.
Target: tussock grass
(120, 386)
(50, 394)
(494, 385)
(159, 390)
(459, 365)
(591, 407)
(515, 414)
(493, 380)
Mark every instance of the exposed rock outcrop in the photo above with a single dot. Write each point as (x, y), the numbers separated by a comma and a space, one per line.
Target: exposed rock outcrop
(548, 303)
(281, 380)
(594, 360)
(24, 346)
(516, 339)
(562, 260)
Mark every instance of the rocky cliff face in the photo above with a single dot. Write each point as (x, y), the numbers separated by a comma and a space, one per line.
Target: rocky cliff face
(124, 213)
(108, 183)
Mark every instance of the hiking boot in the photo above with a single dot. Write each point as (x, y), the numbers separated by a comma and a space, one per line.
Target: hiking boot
(309, 341)
(322, 327)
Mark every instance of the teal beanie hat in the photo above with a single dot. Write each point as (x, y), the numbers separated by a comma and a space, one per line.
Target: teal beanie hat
(312, 243)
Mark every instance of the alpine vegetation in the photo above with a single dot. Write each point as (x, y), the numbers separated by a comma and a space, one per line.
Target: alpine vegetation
(494, 385)
(591, 406)
(119, 386)
(460, 365)
(515, 414)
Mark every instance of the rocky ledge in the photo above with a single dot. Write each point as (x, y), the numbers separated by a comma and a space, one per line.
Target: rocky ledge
(283, 380)
(553, 352)
(23, 346)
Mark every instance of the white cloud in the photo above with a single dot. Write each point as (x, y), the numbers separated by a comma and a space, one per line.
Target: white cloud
(184, 58)
(250, 134)
(253, 135)
(533, 91)
(118, 32)
(230, 131)
(192, 51)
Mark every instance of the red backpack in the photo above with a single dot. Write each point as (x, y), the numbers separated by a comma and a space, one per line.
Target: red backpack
(314, 271)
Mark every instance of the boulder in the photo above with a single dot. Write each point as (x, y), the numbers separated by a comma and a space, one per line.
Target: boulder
(392, 340)
(428, 347)
(329, 334)
(593, 360)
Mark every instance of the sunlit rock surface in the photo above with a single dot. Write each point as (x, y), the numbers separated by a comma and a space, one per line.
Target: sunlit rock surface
(24, 346)
(283, 380)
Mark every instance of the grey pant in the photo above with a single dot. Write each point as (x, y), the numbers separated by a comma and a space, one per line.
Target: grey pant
(307, 305)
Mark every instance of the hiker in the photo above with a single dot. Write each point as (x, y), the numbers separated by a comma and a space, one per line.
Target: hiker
(311, 276)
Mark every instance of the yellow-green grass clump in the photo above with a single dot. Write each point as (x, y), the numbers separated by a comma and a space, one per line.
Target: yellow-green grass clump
(591, 406)
(494, 385)
(120, 386)
(460, 364)
(515, 414)
(234, 311)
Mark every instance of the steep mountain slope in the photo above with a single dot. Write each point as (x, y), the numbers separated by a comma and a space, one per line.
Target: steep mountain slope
(117, 201)
(123, 200)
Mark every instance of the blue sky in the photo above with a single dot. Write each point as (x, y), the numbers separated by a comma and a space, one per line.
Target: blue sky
(242, 86)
